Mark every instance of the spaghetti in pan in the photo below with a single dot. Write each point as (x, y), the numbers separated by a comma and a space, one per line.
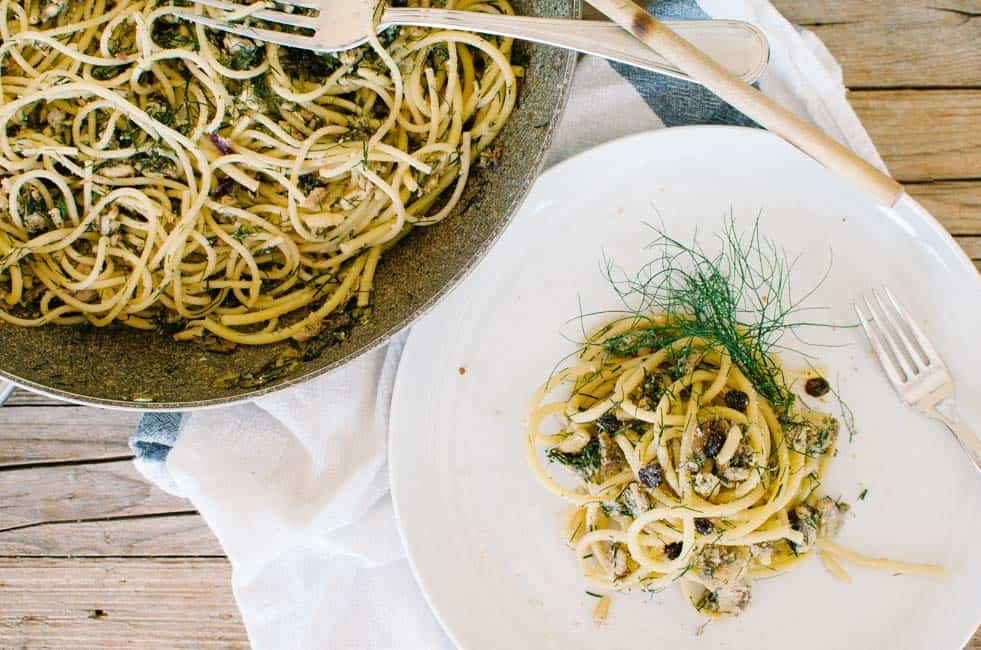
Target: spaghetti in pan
(157, 174)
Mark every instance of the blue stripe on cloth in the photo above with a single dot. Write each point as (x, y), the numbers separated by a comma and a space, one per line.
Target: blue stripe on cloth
(676, 101)
(155, 435)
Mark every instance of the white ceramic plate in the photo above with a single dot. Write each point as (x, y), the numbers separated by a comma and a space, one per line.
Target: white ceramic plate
(483, 536)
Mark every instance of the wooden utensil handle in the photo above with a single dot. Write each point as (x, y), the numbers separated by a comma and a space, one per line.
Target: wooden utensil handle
(750, 101)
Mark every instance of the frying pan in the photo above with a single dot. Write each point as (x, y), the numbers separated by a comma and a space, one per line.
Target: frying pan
(126, 368)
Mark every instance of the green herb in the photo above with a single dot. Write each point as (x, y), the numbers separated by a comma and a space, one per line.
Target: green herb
(686, 508)
(63, 210)
(739, 299)
(107, 72)
(586, 462)
(611, 508)
(628, 343)
(306, 65)
(260, 86)
(439, 54)
(847, 416)
(151, 160)
(161, 111)
(173, 35)
(242, 232)
(684, 571)
(244, 54)
(280, 366)
(589, 593)
(31, 202)
(709, 601)
(815, 484)
(863, 494)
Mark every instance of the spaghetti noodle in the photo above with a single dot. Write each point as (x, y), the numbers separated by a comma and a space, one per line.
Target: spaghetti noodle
(158, 174)
(686, 472)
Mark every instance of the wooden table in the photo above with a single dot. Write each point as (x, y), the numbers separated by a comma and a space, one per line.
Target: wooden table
(91, 555)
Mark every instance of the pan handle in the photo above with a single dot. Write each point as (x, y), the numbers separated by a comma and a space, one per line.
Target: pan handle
(5, 390)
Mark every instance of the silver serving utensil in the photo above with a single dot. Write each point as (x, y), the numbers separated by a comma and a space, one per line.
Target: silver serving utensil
(344, 24)
(913, 365)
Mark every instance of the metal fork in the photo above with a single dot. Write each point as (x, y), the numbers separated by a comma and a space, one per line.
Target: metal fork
(913, 365)
(343, 24)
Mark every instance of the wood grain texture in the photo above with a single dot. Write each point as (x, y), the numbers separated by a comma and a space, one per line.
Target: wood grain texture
(179, 535)
(897, 43)
(109, 603)
(37, 495)
(23, 397)
(957, 205)
(924, 135)
(59, 434)
(972, 245)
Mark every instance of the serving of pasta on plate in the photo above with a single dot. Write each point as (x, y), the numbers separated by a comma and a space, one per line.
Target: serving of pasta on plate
(694, 460)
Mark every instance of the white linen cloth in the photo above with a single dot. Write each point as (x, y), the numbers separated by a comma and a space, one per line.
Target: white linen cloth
(295, 485)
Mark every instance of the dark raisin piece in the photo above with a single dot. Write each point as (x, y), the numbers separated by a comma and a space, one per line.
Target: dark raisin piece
(608, 422)
(794, 519)
(703, 526)
(713, 443)
(672, 550)
(816, 386)
(737, 400)
(651, 475)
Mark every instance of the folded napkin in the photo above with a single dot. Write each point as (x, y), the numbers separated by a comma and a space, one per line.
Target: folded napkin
(295, 486)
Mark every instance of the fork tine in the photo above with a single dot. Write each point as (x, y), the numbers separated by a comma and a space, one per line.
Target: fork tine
(892, 372)
(919, 362)
(267, 35)
(280, 17)
(933, 357)
(894, 349)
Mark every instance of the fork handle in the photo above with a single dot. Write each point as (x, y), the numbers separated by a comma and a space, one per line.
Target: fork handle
(965, 436)
(741, 46)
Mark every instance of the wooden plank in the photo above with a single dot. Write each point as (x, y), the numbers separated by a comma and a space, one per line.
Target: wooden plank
(170, 536)
(897, 44)
(924, 135)
(975, 643)
(972, 246)
(54, 433)
(44, 494)
(23, 397)
(69, 603)
(957, 205)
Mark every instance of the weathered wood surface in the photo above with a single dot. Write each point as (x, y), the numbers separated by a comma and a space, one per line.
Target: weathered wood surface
(168, 535)
(92, 556)
(897, 43)
(924, 135)
(115, 603)
(61, 434)
(81, 492)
